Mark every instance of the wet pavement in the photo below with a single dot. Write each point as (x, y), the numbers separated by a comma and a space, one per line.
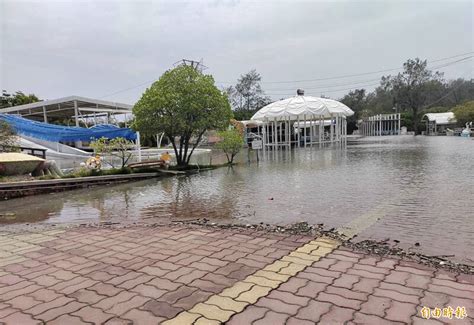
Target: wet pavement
(196, 275)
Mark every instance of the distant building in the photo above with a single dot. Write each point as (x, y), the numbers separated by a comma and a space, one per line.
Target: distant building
(439, 123)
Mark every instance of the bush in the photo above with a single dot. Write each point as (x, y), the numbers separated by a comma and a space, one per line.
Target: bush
(232, 142)
(464, 113)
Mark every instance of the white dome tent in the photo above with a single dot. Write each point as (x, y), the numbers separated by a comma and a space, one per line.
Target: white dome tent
(302, 121)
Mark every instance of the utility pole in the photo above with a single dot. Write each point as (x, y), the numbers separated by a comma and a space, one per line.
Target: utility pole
(198, 65)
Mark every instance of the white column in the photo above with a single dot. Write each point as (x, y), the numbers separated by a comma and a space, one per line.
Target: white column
(304, 123)
(398, 123)
(139, 147)
(45, 117)
(331, 132)
(76, 113)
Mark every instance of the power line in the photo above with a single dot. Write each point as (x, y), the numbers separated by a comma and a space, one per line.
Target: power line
(355, 83)
(353, 75)
(300, 81)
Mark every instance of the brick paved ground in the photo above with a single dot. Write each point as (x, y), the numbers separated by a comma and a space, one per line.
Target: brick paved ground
(182, 275)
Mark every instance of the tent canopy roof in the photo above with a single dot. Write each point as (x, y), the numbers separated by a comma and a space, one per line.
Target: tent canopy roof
(303, 108)
(441, 118)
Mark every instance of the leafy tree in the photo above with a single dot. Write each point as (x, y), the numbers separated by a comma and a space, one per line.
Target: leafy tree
(464, 113)
(357, 101)
(410, 88)
(7, 136)
(184, 104)
(247, 96)
(18, 98)
(117, 147)
(232, 142)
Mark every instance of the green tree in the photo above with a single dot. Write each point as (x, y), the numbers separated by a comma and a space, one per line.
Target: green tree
(464, 113)
(117, 147)
(7, 136)
(410, 88)
(247, 96)
(232, 142)
(357, 101)
(184, 104)
(18, 98)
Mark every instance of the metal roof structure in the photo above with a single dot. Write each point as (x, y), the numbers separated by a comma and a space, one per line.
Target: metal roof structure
(441, 118)
(68, 107)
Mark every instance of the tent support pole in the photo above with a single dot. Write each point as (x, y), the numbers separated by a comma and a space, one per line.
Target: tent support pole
(139, 147)
(304, 123)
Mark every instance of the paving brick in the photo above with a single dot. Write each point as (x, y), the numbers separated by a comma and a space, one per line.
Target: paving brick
(413, 270)
(394, 295)
(161, 309)
(434, 299)
(23, 302)
(339, 300)
(87, 296)
(67, 319)
(298, 321)
(19, 318)
(248, 316)
(51, 314)
(262, 281)
(313, 311)
(226, 303)
(105, 289)
(314, 277)
(346, 281)
(164, 284)
(242, 273)
(375, 306)
(211, 312)
(454, 285)
(253, 294)
(366, 285)
(219, 279)
(110, 302)
(142, 278)
(190, 301)
(346, 293)
(417, 281)
(142, 317)
(70, 286)
(360, 318)
(149, 291)
(19, 292)
(273, 318)
(93, 315)
(401, 311)
(341, 266)
(278, 305)
(173, 296)
(293, 284)
(132, 275)
(366, 274)
(288, 297)
(44, 295)
(337, 315)
(122, 307)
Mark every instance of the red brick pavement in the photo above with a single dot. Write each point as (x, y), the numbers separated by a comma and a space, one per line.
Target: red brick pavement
(146, 275)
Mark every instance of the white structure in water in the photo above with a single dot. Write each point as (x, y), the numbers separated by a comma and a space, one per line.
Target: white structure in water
(303, 121)
(381, 124)
(439, 123)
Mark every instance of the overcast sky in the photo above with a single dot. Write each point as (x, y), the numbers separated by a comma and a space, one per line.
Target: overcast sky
(98, 48)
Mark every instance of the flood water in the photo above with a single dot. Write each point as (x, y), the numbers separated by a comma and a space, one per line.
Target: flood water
(422, 189)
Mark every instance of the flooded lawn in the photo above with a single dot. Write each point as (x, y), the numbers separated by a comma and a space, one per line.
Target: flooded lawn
(421, 188)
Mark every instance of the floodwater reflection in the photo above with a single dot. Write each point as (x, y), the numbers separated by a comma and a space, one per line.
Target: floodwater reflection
(422, 187)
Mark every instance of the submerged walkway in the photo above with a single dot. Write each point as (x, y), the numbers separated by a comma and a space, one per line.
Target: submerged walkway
(196, 275)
